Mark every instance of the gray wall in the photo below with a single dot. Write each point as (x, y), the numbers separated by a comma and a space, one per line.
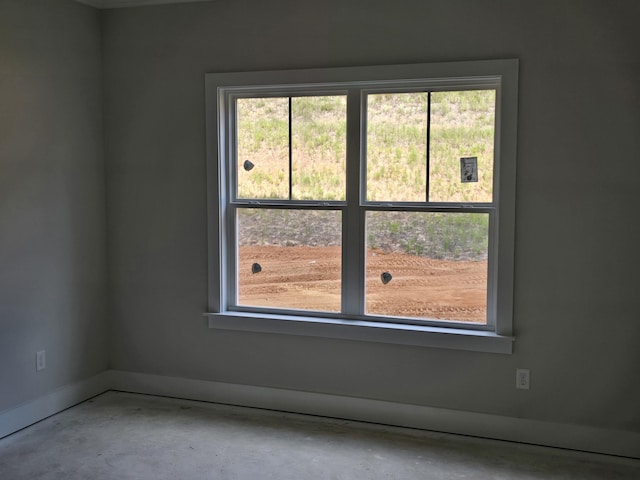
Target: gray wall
(576, 314)
(52, 197)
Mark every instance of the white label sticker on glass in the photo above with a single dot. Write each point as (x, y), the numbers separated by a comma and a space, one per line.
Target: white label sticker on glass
(468, 169)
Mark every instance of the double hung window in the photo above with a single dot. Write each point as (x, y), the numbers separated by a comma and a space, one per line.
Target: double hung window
(358, 200)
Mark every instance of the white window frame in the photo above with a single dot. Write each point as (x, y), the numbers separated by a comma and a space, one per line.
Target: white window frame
(355, 82)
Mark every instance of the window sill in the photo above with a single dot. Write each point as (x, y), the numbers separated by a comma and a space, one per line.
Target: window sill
(389, 333)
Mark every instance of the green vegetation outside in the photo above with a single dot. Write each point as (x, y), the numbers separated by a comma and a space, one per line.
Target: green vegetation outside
(462, 125)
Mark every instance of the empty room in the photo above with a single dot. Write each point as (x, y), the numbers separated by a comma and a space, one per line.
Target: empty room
(340, 239)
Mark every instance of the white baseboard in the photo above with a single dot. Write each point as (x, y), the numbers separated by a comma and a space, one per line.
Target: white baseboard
(550, 434)
(535, 432)
(28, 413)
(132, 3)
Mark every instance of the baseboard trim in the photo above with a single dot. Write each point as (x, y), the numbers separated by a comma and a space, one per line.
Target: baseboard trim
(535, 432)
(28, 413)
(132, 3)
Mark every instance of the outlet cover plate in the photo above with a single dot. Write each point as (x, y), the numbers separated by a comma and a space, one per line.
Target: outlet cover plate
(522, 378)
(41, 360)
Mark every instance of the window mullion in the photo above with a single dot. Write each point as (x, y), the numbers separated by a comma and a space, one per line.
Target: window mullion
(428, 159)
(353, 217)
(290, 153)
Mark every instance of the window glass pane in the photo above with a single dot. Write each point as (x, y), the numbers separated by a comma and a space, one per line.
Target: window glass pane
(289, 259)
(427, 265)
(396, 146)
(318, 137)
(462, 126)
(263, 147)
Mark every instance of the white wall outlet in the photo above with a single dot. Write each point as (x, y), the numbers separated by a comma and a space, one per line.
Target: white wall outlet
(522, 378)
(41, 360)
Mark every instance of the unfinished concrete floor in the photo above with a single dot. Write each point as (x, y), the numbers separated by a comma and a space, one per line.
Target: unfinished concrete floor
(126, 436)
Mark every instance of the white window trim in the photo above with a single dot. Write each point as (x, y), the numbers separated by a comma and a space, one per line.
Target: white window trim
(497, 340)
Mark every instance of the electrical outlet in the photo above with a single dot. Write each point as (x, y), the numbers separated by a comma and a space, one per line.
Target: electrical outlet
(522, 378)
(41, 360)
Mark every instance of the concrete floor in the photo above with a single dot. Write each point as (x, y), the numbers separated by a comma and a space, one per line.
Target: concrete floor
(126, 436)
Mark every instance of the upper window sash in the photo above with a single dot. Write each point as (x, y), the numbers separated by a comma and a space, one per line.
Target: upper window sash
(230, 95)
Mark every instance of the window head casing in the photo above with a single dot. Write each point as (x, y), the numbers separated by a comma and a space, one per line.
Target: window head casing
(365, 202)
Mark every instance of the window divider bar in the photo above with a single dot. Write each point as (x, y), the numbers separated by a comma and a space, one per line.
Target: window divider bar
(428, 173)
(290, 153)
(353, 248)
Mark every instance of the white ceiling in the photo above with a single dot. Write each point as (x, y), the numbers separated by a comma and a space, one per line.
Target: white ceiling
(131, 3)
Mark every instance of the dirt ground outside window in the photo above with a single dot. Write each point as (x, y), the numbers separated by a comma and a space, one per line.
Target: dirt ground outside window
(303, 277)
